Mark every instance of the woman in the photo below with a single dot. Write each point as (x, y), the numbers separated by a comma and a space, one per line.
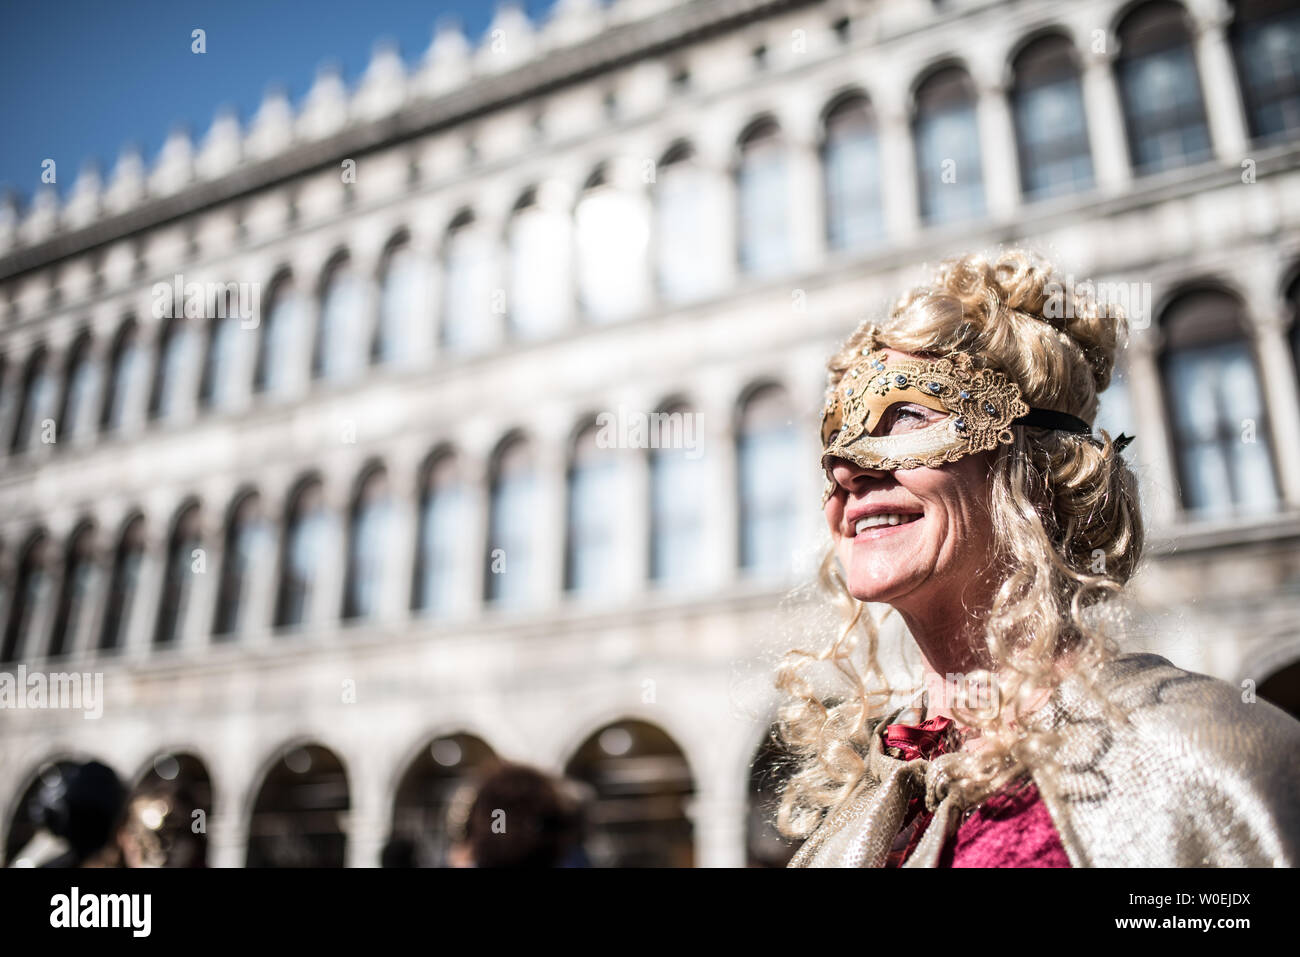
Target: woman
(966, 491)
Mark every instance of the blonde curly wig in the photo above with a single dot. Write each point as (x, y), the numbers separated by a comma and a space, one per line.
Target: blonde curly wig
(1066, 523)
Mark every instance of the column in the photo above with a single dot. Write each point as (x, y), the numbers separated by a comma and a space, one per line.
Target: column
(471, 547)
(722, 530)
(806, 194)
(196, 339)
(300, 346)
(81, 642)
(227, 828)
(420, 328)
(551, 532)
(327, 591)
(1154, 448)
(635, 468)
(492, 227)
(139, 371)
(87, 412)
(901, 199)
(142, 615)
(403, 534)
(715, 159)
(1106, 133)
(1281, 398)
(261, 581)
(200, 607)
(1224, 110)
(359, 336)
(367, 821)
(47, 428)
(719, 814)
(35, 643)
(998, 151)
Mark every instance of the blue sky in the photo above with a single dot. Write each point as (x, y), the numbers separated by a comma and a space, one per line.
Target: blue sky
(81, 78)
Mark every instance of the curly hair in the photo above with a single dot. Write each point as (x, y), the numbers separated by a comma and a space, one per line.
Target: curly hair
(1067, 535)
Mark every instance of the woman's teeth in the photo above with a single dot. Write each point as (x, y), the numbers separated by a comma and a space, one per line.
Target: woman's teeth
(875, 521)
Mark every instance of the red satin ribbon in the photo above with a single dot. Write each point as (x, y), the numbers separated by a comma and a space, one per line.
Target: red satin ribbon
(924, 740)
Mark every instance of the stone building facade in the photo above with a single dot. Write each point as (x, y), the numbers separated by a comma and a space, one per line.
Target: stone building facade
(354, 523)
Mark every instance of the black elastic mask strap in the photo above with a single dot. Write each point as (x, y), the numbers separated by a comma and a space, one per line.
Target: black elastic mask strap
(1051, 419)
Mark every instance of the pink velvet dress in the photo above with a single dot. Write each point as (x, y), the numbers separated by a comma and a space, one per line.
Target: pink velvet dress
(1010, 829)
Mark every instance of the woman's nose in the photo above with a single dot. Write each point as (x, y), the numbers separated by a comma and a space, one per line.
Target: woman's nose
(852, 476)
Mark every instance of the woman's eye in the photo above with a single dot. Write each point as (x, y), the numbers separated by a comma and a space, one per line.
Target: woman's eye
(904, 418)
(830, 439)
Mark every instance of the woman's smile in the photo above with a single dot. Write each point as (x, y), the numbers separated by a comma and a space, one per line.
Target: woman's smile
(867, 533)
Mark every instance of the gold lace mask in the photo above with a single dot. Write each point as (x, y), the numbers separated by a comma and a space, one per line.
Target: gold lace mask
(980, 406)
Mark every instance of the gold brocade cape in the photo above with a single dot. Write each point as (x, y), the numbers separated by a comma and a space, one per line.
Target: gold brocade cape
(1196, 778)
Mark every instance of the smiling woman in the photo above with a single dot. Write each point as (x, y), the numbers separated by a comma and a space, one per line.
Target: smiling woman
(966, 492)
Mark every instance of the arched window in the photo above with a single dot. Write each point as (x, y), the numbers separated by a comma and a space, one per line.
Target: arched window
(281, 317)
(642, 790)
(79, 384)
(217, 384)
(299, 816)
(399, 304)
(511, 566)
(1220, 425)
(851, 162)
(594, 516)
(541, 267)
(78, 567)
(442, 527)
(762, 192)
(428, 791)
(178, 576)
(300, 554)
(612, 221)
(767, 463)
(690, 246)
(367, 546)
(123, 372)
(677, 510)
(28, 595)
(949, 170)
(1161, 90)
(174, 345)
(1266, 40)
(34, 400)
(122, 585)
(335, 354)
(243, 530)
(1051, 128)
(468, 276)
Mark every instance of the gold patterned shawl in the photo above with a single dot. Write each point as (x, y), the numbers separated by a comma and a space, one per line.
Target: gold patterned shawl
(1197, 777)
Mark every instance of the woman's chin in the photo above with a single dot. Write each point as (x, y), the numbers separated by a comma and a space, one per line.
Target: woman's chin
(871, 589)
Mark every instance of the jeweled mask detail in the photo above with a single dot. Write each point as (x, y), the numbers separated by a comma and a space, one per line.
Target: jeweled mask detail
(981, 405)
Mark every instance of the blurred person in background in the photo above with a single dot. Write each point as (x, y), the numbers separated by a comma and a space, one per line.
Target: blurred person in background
(399, 852)
(160, 828)
(518, 817)
(966, 491)
(76, 809)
